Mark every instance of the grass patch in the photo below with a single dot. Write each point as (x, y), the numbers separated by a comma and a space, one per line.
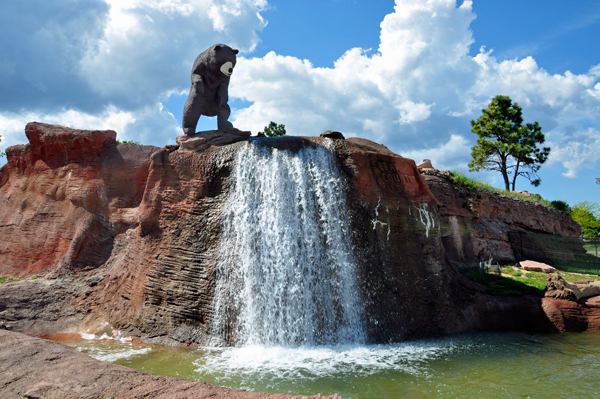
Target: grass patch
(459, 178)
(8, 280)
(517, 282)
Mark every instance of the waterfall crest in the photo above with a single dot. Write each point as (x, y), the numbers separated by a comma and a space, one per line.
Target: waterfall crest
(286, 273)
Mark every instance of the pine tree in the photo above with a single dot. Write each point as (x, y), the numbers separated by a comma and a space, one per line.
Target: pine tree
(505, 145)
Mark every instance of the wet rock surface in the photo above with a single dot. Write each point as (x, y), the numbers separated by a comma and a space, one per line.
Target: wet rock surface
(39, 368)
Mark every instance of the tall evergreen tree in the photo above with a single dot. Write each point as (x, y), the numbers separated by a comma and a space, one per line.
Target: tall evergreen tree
(506, 145)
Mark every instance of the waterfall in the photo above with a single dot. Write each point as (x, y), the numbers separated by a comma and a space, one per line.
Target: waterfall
(286, 273)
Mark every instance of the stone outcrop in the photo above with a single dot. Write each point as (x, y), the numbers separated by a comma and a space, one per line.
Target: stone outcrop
(475, 223)
(333, 135)
(203, 140)
(124, 239)
(557, 287)
(39, 368)
(425, 164)
(534, 266)
(569, 316)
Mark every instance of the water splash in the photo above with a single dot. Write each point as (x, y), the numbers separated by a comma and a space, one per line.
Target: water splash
(286, 274)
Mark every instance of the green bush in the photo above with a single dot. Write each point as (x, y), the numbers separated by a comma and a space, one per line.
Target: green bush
(274, 130)
(561, 206)
(587, 215)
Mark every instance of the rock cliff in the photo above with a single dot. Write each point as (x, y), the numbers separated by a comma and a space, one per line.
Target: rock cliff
(475, 222)
(124, 239)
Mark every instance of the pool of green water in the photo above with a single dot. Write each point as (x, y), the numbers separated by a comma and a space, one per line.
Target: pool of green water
(490, 365)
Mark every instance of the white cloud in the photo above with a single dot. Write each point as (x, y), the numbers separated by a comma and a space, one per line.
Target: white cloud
(109, 62)
(576, 150)
(447, 156)
(148, 46)
(417, 93)
(152, 125)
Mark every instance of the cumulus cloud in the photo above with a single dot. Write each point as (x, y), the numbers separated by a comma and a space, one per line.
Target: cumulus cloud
(417, 92)
(575, 149)
(64, 61)
(111, 61)
(447, 156)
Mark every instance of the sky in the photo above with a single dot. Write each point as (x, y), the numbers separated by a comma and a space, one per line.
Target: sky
(409, 74)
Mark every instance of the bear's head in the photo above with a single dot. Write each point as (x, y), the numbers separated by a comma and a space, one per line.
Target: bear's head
(225, 58)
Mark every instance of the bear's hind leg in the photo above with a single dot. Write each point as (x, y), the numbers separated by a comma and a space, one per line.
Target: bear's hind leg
(222, 116)
(191, 113)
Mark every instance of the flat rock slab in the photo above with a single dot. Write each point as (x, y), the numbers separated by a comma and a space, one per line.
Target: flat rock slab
(533, 266)
(593, 302)
(39, 368)
(203, 140)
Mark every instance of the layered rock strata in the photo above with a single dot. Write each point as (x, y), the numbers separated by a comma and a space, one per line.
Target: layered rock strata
(475, 223)
(125, 239)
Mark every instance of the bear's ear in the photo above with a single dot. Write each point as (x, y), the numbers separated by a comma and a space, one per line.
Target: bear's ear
(218, 46)
(235, 51)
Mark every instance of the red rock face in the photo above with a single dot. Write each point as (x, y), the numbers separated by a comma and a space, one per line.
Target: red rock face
(128, 236)
(62, 195)
(475, 223)
(569, 316)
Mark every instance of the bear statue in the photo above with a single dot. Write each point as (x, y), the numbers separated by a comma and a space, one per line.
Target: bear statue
(209, 90)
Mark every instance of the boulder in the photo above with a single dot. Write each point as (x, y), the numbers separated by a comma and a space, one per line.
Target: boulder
(202, 140)
(425, 163)
(557, 287)
(534, 266)
(569, 316)
(333, 135)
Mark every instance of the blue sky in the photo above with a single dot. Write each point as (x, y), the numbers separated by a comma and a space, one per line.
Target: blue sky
(410, 74)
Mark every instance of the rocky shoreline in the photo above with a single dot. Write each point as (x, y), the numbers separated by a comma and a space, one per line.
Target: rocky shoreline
(38, 368)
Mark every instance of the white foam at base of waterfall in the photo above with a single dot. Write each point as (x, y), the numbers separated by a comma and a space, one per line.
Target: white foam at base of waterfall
(286, 273)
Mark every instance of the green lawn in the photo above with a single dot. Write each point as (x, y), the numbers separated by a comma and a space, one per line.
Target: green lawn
(517, 282)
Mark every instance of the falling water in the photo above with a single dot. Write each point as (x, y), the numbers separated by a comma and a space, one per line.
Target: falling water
(286, 273)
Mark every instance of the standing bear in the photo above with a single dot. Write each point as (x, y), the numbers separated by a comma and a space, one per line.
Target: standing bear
(209, 91)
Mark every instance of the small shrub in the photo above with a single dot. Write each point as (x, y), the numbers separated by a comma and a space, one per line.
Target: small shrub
(561, 206)
(274, 130)
(127, 142)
